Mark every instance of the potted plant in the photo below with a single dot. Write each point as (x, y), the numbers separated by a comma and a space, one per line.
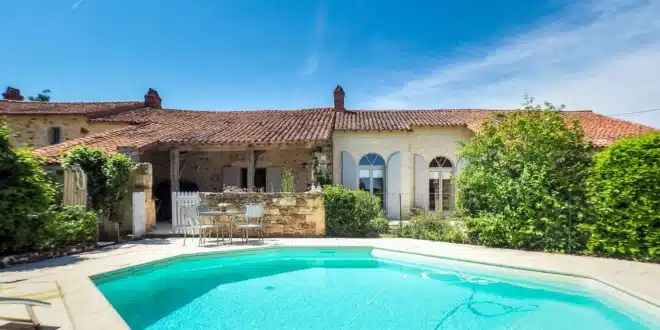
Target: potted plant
(223, 207)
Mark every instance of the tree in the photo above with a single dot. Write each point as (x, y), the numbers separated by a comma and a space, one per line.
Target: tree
(523, 185)
(26, 192)
(108, 177)
(44, 96)
(624, 196)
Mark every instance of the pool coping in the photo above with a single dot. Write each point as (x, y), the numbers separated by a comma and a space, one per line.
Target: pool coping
(88, 307)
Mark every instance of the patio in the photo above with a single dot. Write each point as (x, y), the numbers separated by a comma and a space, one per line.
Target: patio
(213, 168)
(77, 304)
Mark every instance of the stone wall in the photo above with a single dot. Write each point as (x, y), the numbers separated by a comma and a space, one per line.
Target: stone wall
(142, 181)
(33, 130)
(286, 214)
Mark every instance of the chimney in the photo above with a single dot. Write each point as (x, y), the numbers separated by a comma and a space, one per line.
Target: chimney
(152, 99)
(339, 99)
(12, 94)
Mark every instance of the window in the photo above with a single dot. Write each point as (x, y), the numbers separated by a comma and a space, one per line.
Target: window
(259, 179)
(54, 135)
(372, 175)
(441, 187)
(372, 160)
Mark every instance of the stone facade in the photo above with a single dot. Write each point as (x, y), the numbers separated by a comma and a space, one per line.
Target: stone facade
(205, 168)
(33, 130)
(286, 214)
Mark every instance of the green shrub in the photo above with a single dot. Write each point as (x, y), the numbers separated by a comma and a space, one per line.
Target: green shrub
(380, 225)
(348, 212)
(624, 195)
(288, 184)
(489, 230)
(435, 227)
(108, 177)
(68, 225)
(26, 192)
(523, 185)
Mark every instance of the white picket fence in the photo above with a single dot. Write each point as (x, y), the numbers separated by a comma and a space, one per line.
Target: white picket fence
(139, 214)
(180, 199)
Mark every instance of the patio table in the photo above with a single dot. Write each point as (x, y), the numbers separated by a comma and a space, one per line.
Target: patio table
(216, 217)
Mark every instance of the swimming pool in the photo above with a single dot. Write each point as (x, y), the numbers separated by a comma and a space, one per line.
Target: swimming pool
(356, 288)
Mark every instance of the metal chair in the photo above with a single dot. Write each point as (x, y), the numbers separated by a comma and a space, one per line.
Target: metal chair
(29, 304)
(191, 218)
(205, 211)
(253, 212)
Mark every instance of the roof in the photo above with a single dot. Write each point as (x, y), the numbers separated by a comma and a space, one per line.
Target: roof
(154, 126)
(601, 130)
(90, 109)
(133, 136)
(170, 126)
(405, 120)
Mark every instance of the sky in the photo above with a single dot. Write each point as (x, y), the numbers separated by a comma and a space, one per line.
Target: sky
(261, 54)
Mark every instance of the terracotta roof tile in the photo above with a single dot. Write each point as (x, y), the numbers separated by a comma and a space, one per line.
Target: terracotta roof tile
(260, 126)
(601, 130)
(201, 127)
(90, 109)
(133, 136)
(299, 126)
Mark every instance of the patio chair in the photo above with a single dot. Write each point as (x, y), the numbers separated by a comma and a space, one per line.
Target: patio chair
(253, 212)
(191, 217)
(29, 304)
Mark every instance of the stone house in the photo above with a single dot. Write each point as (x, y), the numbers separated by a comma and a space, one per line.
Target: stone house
(407, 157)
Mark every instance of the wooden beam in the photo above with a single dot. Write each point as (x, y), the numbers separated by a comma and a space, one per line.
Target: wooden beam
(242, 147)
(174, 169)
(250, 169)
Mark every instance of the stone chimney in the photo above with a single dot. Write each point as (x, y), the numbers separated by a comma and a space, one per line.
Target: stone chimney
(152, 99)
(12, 94)
(339, 99)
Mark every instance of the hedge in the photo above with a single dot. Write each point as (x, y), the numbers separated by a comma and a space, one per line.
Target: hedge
(623, 191)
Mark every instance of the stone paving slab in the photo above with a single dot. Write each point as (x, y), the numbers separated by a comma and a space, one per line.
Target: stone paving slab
(79, 305)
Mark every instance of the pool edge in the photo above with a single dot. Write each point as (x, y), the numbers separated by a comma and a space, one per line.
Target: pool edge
(413, 251)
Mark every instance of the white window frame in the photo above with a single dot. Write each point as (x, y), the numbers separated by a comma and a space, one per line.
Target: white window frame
(371, 169)
(451, 171)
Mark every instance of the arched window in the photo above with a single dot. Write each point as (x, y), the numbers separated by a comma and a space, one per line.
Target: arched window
(441, 187)
(372, 175)
(54, 135)
(440, 162)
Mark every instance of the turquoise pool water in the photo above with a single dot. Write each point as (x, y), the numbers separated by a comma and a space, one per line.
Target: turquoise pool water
(348, 288)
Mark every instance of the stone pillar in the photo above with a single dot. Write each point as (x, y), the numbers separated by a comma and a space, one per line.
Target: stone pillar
(174, 169)
(250, 170)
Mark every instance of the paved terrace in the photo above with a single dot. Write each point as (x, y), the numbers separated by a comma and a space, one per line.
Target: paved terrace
(78, 305)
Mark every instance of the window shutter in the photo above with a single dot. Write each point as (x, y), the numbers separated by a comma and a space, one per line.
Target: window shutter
(348, 171)
(393, 186)
(421, 183)
(460, 165)
(274, 179)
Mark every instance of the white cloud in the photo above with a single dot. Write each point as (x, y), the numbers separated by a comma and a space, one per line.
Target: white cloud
(311, 64)
(76, 4)
(609, 63)
(318, 33)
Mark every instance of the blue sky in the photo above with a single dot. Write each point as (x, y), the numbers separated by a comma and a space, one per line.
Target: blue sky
(260, 54)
